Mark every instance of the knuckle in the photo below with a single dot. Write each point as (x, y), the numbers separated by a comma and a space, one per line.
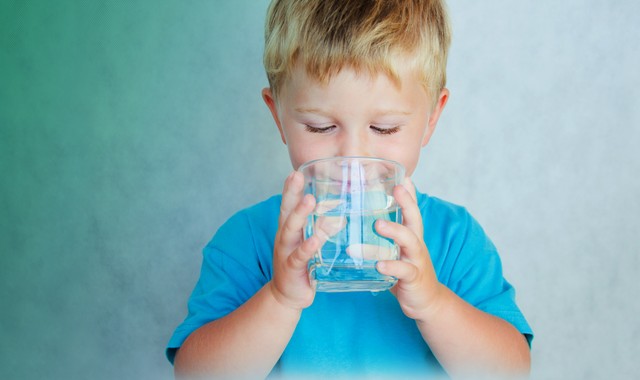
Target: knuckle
(416, 240)
(288, 229)
(295, 259)
(415, 273)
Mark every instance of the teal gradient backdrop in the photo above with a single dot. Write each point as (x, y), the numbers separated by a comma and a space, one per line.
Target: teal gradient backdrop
(113, 135)
(130, 130)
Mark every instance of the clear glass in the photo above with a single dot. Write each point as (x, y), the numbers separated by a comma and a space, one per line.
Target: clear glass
(351, 194)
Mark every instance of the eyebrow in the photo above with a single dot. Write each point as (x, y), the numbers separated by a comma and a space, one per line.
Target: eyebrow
(321, 112)
(316, 111)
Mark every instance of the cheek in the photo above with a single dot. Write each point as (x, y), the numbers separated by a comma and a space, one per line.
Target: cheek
(410, 165)
(301, 153)
(307, 147)
(407, 153)
(297, 158)
(296, 146)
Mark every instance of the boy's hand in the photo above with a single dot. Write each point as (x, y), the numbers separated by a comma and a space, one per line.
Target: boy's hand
(418, 288)
(290, 283)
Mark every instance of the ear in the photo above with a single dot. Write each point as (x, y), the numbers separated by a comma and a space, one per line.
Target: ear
(435, 115)
(269, 100)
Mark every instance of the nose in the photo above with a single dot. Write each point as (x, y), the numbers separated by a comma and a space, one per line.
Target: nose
(354, 144)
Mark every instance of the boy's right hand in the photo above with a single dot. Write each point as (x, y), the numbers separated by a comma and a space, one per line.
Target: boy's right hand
(290, 284)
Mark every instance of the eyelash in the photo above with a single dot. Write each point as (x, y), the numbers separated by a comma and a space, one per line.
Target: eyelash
(382, 131)
(385, 131)
(311, 129)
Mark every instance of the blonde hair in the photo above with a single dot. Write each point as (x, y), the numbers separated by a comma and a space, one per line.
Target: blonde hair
(367, 35)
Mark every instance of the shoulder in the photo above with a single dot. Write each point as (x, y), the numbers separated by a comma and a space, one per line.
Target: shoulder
(438, 213)
(266, 208)
(451, 222)
(245, 241)
(454, 238)
(260, 216)
(251, 227)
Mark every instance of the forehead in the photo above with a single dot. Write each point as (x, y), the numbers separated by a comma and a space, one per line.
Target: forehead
(349, 92)
(303, 75)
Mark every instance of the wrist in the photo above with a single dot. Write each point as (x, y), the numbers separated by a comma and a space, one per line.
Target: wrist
(281, 301)
(437, 305)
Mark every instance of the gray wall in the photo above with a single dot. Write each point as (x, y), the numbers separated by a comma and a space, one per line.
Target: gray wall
(130, 131)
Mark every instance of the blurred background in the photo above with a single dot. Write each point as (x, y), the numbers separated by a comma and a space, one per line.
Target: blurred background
(131, 130)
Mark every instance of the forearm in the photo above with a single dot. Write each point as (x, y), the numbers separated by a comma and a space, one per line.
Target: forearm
(246, 343)
(468, 341)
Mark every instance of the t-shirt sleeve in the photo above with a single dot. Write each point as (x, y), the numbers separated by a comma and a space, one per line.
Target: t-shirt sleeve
(228, 278)
(471, 267)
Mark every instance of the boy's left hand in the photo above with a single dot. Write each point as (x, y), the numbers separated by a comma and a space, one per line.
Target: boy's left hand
(418, 289)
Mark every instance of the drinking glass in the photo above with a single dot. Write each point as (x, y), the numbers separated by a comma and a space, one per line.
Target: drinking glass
(351, 194)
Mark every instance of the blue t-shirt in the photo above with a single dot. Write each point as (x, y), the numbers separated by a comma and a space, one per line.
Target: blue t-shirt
(350, 333)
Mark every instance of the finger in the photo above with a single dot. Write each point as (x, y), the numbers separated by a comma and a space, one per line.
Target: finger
(291, 195)
(328, 226)
(401, 270)
(371, 252)
(408, 184)
(291, 230)
(299, 258)
(411, 216)
(327, 205)
(411, 246)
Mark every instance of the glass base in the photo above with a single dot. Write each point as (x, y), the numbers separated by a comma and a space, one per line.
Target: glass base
(350, 279)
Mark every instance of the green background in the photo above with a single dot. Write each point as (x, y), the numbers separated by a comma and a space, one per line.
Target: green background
(112, 137)
(130, 130)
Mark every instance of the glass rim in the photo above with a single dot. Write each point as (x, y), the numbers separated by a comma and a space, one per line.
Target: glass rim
(308, 164)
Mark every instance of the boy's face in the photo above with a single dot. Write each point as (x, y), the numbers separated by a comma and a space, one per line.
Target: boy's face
(355, 115)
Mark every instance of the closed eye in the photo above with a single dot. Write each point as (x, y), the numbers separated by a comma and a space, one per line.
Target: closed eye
(326, 129)
(384, 131)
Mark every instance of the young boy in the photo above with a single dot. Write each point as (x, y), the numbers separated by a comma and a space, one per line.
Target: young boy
(353, 78)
